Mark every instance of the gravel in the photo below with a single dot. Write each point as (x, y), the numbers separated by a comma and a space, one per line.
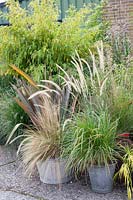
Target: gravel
(15, 185)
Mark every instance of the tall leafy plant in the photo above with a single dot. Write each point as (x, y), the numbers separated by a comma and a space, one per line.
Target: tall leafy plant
(36, 42)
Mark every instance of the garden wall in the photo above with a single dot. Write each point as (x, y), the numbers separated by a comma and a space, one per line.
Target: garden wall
(120, 13)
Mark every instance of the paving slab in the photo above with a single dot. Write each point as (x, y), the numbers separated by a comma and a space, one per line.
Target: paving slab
(13, 196)
(15, 185)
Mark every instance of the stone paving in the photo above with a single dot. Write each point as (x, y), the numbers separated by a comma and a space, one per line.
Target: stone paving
(15, 185)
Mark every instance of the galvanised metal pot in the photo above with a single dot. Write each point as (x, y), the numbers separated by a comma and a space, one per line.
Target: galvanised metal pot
(101, 178)
(53, 171)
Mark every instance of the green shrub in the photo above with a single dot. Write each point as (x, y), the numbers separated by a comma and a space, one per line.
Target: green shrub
(10, 115)
(5, 83)
(36, 42)
(120, 98)
(121, 49)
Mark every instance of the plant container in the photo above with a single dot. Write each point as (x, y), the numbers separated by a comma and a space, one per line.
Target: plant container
(101, 178)
(53, 171)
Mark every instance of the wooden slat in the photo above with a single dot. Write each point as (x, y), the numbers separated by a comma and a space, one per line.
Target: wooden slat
(64, 7)
(80, 4)
(72, 2)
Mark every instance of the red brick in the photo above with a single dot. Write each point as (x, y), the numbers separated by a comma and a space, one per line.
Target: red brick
(120, 13)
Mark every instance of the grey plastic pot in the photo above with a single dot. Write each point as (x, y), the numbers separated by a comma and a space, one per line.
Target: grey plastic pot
(53, 171)
(101, 178)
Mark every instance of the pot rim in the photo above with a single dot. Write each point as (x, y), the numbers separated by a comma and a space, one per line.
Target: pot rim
(102, 166)
(59, 159)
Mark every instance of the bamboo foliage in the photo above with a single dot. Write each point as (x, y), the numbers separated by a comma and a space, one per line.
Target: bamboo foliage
(50, 42)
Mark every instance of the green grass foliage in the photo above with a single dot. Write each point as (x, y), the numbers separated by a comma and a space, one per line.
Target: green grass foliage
(10, 115)
(90, 139)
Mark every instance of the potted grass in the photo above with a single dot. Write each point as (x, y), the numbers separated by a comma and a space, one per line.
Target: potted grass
(42, 143)
(42, 146)
(93, 146)
(90, 144)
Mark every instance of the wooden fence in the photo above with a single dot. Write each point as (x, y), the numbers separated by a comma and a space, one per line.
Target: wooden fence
(63, 6)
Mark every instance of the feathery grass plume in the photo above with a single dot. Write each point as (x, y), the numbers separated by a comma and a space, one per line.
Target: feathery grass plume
(47, 109)
(90, 80)
(102, 81)
(43, 140)
(44, 135)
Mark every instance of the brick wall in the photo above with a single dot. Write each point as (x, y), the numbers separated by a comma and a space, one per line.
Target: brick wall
(120, 14)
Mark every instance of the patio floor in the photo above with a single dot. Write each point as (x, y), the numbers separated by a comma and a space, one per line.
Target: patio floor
(15, 185)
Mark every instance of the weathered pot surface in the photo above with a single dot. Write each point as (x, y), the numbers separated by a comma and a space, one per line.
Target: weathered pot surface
(53, 171)
(101, 178)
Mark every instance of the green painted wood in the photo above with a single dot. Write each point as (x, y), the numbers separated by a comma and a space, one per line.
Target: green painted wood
(3, 9)
(24, 4)
(65, 4)
(72, 2)
(79, 4)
